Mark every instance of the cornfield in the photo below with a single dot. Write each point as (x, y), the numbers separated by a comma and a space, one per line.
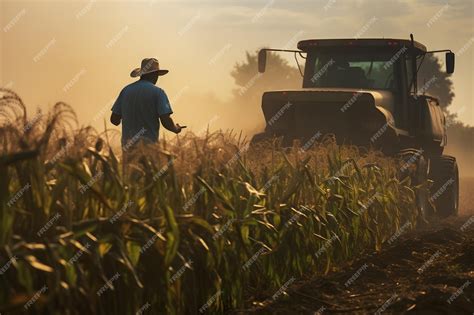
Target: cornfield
(191, 225)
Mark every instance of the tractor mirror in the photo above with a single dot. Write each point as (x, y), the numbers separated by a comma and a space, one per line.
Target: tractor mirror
(450, 57)
(262, 60)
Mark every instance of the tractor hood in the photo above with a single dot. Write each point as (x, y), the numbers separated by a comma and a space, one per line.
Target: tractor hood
(352, 115)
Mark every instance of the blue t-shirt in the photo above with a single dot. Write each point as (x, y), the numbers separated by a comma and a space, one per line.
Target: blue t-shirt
(140, 104)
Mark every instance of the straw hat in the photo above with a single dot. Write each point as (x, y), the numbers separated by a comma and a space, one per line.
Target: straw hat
(149, 65)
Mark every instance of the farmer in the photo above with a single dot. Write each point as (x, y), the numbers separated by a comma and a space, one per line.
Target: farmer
(140, 105)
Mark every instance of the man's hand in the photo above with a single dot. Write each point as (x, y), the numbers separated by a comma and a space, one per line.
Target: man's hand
(169, 124)
(179, 128)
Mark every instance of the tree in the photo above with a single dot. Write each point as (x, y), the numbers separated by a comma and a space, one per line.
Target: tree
(251, 84)
(245, 105)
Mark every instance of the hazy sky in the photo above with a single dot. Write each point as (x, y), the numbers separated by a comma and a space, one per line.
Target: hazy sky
(82, 52)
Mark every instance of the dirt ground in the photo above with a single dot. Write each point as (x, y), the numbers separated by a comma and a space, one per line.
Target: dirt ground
(427, 271)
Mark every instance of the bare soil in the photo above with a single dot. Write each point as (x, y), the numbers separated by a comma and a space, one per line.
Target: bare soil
(427, 271)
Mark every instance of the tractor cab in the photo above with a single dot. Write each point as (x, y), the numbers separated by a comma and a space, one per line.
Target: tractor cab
(354, 87)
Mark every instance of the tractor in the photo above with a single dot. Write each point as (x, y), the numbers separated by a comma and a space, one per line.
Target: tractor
(365, 93)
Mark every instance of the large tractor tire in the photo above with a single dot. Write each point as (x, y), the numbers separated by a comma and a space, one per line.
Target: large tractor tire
(445, 189)
(414, 165)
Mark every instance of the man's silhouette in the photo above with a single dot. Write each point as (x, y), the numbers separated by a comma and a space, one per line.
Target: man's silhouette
(141, 105)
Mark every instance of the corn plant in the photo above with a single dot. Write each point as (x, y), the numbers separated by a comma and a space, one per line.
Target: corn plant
(190, 225)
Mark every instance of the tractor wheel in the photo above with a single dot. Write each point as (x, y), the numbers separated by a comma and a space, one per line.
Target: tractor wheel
(445, 189)
(414, 165)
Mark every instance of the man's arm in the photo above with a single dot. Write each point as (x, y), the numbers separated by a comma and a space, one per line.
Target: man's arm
(115, 119)
(169, 124)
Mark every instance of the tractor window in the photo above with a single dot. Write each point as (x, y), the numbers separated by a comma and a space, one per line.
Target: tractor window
(421, 84)
(368, 71)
